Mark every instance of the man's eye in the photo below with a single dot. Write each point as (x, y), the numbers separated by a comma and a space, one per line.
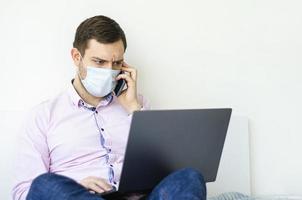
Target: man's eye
(99, 62)
(117, 63)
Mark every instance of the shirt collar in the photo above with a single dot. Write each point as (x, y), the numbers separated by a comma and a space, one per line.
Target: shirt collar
(78, 101)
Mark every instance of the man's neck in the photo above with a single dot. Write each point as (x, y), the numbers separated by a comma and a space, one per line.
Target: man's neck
(88, 98)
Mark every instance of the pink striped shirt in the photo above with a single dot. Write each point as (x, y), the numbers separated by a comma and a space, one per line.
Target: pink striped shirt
(66, 136)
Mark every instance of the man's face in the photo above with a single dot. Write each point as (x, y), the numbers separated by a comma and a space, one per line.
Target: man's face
(100, 55)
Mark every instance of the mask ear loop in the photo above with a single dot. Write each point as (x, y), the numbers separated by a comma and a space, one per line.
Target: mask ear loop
(79, 71)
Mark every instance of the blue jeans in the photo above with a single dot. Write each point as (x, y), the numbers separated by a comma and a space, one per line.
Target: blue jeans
(184, 184)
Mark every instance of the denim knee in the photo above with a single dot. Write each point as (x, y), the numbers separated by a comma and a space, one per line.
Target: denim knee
(193, 176)
(38, 186)
(186, 183)
(42, 180)
(190, 174)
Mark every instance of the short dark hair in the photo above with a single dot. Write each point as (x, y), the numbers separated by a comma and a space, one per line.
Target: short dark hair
(101, 28)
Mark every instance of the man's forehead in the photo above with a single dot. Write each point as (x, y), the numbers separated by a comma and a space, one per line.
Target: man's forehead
(110, 51)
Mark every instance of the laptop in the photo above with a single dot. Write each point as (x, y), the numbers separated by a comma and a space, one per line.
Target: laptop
(163, 141)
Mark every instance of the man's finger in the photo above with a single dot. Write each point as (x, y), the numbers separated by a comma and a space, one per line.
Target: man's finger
(129, 80)
(93, 186)
(132, 71)
(125, 64)
(103, 184)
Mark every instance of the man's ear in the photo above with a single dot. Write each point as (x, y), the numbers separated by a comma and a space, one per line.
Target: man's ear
(76, 56)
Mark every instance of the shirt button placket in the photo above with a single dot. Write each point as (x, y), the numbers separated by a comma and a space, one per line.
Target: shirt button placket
(108, 150)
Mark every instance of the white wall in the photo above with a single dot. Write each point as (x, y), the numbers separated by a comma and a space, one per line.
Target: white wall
(240, 54)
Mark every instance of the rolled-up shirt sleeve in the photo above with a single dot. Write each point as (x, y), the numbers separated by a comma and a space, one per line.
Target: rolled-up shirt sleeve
(32, 154)
(144, 102)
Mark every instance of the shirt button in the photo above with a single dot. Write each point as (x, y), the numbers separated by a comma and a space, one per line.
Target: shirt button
(111, 165)
(114, 182)
(102, 129)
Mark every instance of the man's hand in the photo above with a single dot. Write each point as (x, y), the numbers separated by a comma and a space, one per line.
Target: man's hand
(128, 98)
(95, 185)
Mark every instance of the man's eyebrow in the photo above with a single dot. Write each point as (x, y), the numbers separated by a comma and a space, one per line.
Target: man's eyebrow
(97, 58)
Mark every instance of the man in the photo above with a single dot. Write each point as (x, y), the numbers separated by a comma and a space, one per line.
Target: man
(73, 145)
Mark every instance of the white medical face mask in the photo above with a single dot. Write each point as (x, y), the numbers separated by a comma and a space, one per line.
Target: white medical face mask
(99, 82)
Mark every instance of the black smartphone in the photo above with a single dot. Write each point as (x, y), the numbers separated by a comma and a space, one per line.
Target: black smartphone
(119, 86)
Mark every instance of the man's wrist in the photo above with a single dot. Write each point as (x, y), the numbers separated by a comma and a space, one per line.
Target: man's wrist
(134, 107)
